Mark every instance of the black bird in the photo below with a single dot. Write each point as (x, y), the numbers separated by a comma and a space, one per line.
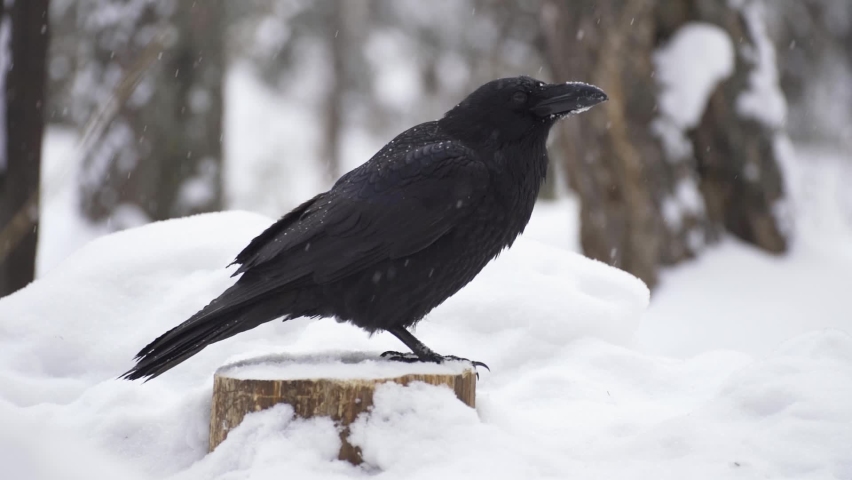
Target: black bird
(398, 235)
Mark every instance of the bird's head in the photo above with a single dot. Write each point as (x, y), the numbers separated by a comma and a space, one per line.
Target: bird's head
(511, 109)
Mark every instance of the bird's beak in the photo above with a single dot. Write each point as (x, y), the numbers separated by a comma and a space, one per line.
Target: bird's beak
(567, 98)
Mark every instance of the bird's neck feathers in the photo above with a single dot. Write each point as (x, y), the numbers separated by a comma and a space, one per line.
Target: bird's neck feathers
(519, 170)
(518, 160)
(525, 162)
(480, 126)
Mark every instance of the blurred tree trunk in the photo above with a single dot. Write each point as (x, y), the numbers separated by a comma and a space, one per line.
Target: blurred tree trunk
(634, 214)
(612, 159)
(23, 58)
(813, 39)
(334, 108)
(347, 24)
(160, 156)
(737, 152)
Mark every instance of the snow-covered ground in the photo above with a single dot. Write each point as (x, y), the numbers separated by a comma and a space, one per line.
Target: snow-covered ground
(731, 373)
(737, 297)
(741, 367)
(570, 395)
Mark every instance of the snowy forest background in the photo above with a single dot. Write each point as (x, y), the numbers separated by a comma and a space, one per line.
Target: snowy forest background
(718, 172)
(164, 109)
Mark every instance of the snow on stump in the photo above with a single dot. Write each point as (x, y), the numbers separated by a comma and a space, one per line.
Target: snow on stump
(339, 386)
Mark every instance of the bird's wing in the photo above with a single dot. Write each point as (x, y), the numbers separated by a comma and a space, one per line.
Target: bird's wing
(385, 209)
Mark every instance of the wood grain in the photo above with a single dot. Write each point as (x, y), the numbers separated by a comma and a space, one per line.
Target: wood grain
(340, 399)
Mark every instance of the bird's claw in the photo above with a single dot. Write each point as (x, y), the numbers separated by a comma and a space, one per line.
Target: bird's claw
(413, 358)
(461, 359)
(401, 357)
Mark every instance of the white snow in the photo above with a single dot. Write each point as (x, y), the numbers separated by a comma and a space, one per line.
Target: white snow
(676, 144)
(688, 68)
(198, 190)
(271, 145)
(555, 223)
(332, 365)
(393, 55)
(732, 373)
(741, 299)
(736, 297)
(764, 99)
(65, 338)
(62, 227)
(686, 200)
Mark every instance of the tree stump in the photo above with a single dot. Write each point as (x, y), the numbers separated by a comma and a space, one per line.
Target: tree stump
(339, 386)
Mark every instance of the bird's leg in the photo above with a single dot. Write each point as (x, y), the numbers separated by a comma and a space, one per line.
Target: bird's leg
(421, 353)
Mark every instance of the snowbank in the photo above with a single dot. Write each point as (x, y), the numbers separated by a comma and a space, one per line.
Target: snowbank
(689, 66)
(737, 297)
(568, 396)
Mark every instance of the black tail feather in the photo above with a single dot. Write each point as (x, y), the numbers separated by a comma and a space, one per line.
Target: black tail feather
(221, 319)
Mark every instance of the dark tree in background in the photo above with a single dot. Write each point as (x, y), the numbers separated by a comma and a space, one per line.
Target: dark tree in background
(814, 46)
(150, 90)
(616, 160)
(613, 161)
(738, 153)
(23, 54)
(344, 26)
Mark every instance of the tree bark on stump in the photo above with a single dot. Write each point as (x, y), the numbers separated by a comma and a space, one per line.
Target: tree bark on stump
(341, 399)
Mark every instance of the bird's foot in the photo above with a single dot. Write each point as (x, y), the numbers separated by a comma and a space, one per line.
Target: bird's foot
(453, 358)
(403, 357)
(435, 358)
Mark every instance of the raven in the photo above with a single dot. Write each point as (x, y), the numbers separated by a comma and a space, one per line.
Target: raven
(401, 233)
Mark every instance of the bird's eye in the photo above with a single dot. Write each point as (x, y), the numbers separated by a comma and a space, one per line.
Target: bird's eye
(519, 98)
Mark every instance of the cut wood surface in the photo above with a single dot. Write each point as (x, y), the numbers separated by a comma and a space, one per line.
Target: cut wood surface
(339, 386)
